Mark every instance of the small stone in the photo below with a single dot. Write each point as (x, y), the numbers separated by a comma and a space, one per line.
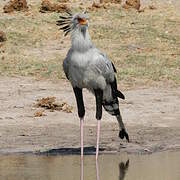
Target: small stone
(39, 113)
(2, 36)
(152, 7)
(147, 150)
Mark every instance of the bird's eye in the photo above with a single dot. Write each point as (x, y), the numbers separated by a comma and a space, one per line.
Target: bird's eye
(79, 19)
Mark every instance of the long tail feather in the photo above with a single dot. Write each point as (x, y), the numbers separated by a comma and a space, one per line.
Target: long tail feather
(112, 105)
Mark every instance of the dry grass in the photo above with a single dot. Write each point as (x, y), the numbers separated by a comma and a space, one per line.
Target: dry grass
(32, 45)
(145, 47)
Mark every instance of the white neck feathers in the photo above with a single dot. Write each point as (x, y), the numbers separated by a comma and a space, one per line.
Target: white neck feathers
(81, 41)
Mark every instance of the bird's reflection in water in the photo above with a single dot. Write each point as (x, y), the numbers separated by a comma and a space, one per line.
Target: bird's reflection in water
(97, 171)
(82, 170)
(123, 168)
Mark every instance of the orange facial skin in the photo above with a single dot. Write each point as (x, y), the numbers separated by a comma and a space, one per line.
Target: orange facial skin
(82, 21)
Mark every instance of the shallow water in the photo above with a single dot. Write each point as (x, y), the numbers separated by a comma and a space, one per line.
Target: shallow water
(158, 166)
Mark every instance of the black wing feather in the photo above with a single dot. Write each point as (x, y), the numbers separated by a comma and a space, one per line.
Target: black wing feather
(115, 91)
(114, 68)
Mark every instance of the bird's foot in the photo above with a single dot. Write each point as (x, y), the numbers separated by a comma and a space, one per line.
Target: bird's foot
(123, 133)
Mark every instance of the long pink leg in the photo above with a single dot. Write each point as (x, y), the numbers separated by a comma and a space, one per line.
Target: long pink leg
(98, 135)
(81, 136)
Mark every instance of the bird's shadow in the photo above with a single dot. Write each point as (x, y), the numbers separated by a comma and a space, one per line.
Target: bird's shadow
(90, 150)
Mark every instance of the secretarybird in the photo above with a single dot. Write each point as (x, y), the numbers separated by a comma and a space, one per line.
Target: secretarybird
(85, 66)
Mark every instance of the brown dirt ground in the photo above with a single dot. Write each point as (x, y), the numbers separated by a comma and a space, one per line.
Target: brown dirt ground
(151, 115)
(15, 5)
(47, 5)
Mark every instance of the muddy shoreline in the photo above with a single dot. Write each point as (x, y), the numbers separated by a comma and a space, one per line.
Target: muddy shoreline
(151, 116)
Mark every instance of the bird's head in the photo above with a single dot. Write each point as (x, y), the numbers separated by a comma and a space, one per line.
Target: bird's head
(72, 22)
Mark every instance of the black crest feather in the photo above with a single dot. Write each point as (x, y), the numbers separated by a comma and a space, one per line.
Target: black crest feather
(65, 22)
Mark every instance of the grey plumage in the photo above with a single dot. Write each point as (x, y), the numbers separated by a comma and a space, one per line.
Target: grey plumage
(86, 66)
